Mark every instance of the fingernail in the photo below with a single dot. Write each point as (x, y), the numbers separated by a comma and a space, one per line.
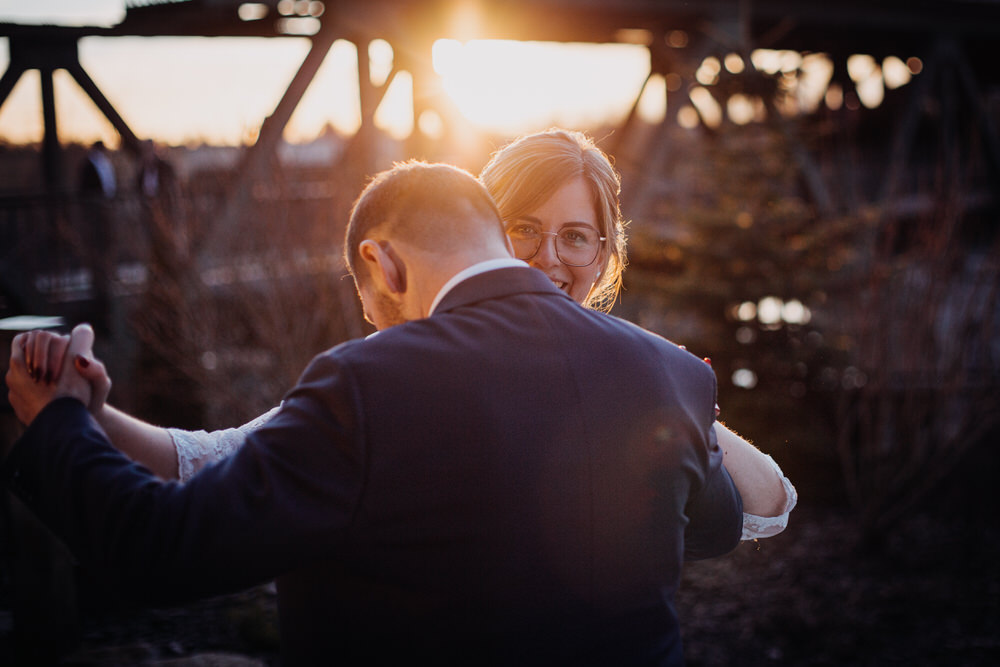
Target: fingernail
(708, 361)
(82, 360)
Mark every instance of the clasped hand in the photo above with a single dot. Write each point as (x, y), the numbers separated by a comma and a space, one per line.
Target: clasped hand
(45, 366)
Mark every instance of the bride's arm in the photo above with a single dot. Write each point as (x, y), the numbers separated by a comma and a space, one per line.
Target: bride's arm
(172, 453)
(768, 496)
(149, 445)
(197, 449)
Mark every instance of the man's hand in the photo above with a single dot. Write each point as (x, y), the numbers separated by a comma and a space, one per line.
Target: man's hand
(28, 395)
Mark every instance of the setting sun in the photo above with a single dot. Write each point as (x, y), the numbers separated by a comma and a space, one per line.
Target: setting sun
(510, 86)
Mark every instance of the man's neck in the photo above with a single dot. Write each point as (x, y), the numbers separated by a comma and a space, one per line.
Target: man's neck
(473, 270)
(427, 272)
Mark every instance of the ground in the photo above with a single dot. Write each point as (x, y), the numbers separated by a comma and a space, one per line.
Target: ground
(810, 596)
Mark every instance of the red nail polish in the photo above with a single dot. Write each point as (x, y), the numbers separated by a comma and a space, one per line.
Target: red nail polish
(707, 360)
(83, 361)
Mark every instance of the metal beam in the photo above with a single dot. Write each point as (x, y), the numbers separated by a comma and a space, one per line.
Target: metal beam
(131, 141)
(9, 80)
(47, 51)
(258, 156)
(273, 126)
(51, 153)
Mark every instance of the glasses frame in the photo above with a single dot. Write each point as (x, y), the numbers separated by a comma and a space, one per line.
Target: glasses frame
(597, 252)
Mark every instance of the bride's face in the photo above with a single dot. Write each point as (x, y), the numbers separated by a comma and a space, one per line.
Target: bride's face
(570, 209)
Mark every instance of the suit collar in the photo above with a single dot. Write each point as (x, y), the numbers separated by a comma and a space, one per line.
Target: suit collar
(497, 284)
(468, 272)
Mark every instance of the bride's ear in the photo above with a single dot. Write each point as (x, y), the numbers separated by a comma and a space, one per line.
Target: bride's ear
(384, 265)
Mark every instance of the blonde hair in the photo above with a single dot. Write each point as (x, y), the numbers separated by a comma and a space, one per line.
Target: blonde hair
(525, 173)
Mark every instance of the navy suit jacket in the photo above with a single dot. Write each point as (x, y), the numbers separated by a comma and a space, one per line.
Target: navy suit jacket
(513, 480)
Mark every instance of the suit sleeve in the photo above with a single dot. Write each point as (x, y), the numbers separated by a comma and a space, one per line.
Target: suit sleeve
(715, 510)
(285, 498)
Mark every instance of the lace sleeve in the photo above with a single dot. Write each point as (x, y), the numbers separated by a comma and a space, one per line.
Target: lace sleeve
(196, 449)
(755, 527)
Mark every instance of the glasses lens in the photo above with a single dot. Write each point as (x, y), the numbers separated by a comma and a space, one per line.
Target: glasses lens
(525, 238)
(578, 246)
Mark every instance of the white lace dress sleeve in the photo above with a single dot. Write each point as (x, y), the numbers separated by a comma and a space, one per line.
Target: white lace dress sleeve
(196, 449)
(756, 527)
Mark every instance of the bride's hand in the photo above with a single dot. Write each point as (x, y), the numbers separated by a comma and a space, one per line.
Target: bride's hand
(44, 353)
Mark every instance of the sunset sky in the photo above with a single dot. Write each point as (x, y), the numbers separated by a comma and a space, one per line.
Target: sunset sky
(219, 90)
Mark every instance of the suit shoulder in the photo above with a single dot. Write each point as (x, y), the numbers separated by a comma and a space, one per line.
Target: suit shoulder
(642, 333)
(337, 357)
(358, 353)
(677, 355)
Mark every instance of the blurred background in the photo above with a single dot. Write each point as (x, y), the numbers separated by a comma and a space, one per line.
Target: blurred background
(812, 197)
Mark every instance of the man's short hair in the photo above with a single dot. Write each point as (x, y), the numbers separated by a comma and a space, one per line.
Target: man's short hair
(431, 205)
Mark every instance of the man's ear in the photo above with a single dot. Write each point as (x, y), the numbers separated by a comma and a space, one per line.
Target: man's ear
(384, 265)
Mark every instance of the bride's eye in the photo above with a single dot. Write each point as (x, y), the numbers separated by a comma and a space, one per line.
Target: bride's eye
(522, 229)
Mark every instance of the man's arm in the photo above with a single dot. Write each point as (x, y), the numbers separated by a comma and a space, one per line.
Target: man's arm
(44, 354)
(715, 511)
(715, 508)
(286, 497)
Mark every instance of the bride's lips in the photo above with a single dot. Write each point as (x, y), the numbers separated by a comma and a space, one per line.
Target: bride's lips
(561, 284)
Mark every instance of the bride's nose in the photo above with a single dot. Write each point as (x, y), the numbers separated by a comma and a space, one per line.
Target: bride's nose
(546, 255)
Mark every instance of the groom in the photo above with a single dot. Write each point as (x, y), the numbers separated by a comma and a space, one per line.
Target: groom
(502, 478)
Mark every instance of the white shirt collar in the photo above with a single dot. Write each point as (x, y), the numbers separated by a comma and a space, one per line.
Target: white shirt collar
(474, 270)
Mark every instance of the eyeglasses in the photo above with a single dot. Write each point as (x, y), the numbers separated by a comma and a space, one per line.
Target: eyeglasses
(576, 244)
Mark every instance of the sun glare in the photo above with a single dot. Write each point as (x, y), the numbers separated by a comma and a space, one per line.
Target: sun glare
(708, 108)
(509, 86)
(380, 61)
(817, 70)
(653, 103)
(895, 72)
(395, 114)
